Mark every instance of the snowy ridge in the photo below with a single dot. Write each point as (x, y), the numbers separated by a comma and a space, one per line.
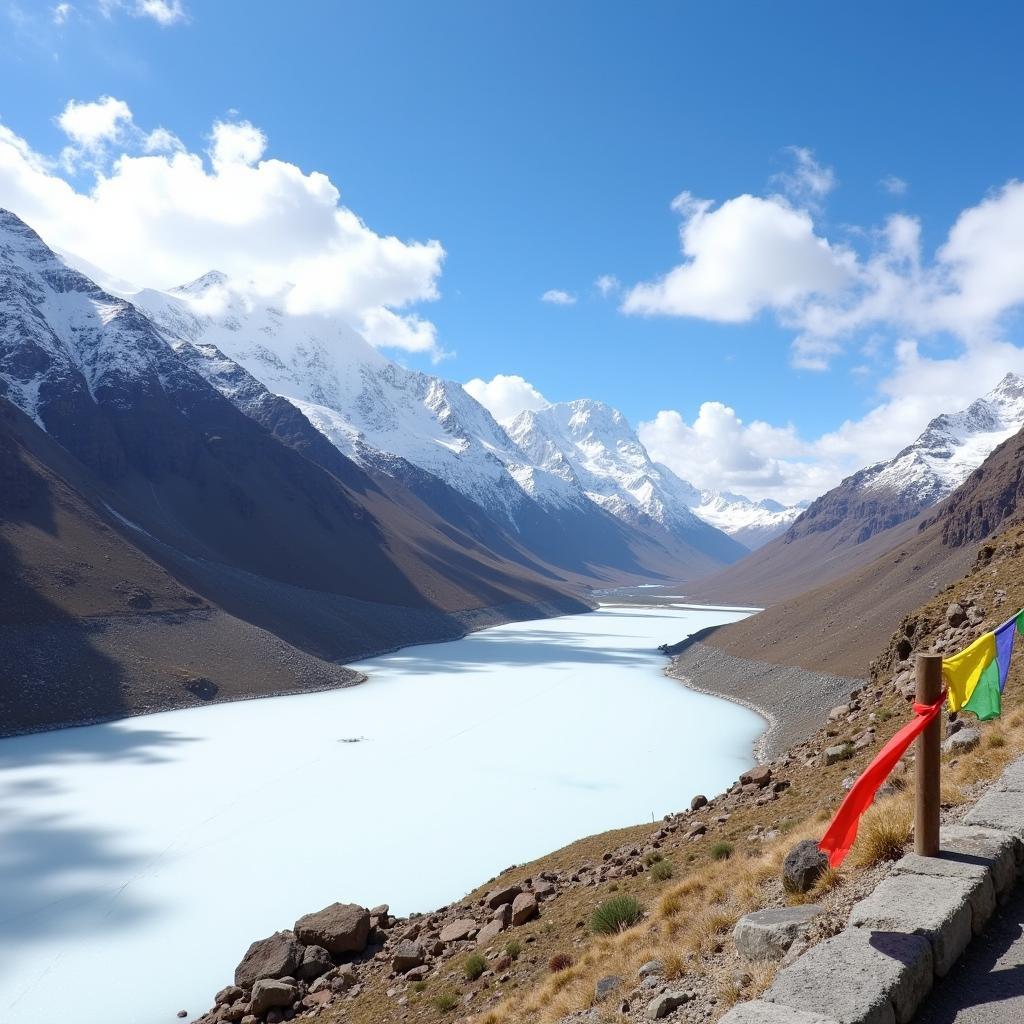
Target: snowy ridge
(752, 523)
(951, 447)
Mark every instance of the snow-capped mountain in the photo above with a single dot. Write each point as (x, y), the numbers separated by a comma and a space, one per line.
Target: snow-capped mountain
(950, 448)
(387, 418)
(752, 523)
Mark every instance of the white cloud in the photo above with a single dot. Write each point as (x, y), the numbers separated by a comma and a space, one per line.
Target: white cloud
(163, 12)
(505, 396)
(558, 298)
(748, 255)
(893, 185)
(808, 181)
(161, 215)
(91, 125)
(607, 284)
(61, 13)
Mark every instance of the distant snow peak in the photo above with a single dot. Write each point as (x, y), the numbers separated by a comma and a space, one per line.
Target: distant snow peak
(752, 523)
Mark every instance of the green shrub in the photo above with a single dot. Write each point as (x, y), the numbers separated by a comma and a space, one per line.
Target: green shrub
(652, 858)
(474, 966)
(722, 850)
(662, 871)
(883, 715)
(445, 1001)
(513, 948)
(616, 915)
(419, 986)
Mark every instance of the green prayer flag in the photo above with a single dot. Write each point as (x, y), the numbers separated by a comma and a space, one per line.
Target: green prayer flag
(986, 700)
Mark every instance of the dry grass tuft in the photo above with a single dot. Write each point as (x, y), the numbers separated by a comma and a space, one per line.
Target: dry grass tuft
(884, 832)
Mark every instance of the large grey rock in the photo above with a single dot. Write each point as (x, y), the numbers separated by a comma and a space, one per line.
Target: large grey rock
(803, 866)
(962, 741)
(937, 908)
(999, 809)
(768, 934)
(666, 1003)
(490, 932)
(315, 961)
(407, 954)
(524, 908)
(268, 993)
(998, 851)
(606, 986)
(504, 895)
(458, 930)
(982, 894)
(858, 977)
(339, 928)
(759, 1012)
(275, 956)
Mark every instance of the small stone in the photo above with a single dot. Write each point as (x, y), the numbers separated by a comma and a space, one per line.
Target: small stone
(650, 968)
(955, 615)
(182, 1013)
(606, 986)
(406, 955)
(962, 740)
(666, 1003)
(768, 934)
(803, 866)
(758, 776)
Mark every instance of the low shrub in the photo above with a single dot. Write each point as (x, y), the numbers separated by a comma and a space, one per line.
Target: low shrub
(652, 858)
(722, 850)
(513, 948)
(662, 871)
(560, 962)
(446, 1001)
(995, 740)
(616, 915)
(473, 966)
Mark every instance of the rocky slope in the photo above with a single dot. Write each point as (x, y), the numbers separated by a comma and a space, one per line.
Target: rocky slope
(841, 530)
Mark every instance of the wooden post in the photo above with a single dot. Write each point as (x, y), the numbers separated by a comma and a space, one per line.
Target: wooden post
(927, 767)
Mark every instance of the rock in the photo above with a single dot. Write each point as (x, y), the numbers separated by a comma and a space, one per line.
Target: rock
(839, 712)
(268, 994)
(500, 896)
(273, 957)
(182, 1013)
(543, 889)
(666, 1003)
(458, 930)
(650, 968)
(490, 932)
(768, 934)
(406, 955)
(606, 986)
(228, 995)
(417, 973)
(962, 740)
(698, 830)
(524, 908)
(698, 802)
(339, 928)
(803, 866)
(840, 752)
(315, 961)
(760, 775)
(955, 615)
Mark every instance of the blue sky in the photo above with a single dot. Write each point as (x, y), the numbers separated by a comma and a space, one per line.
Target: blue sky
(542, 146)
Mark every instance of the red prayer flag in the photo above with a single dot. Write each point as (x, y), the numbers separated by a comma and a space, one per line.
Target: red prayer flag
(842, 831)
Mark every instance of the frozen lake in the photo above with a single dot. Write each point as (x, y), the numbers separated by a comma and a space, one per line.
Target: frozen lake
(153, 850)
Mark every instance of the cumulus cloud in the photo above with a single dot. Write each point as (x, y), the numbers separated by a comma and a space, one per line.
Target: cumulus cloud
(558, 297)
(745, 256)
(160, 215)
(505, 396)
(607, 284)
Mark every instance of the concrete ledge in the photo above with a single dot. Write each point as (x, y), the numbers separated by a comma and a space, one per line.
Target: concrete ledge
(1000, 809)
(1012, 779)
(938, 908)
(858, 977)
(996, 850)
(759, 1012)
(978, 875)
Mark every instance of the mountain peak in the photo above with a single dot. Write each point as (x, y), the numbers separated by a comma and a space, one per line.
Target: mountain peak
(203, 283)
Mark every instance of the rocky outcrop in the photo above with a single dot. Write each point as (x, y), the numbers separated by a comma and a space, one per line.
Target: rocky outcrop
(339, 928)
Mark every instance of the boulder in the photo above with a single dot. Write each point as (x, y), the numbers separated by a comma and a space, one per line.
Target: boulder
(803, 866)
(543, 889)
(339, 928)
(964, 739)
(273, 957)
(417, 973)
(458, 930)
(606, 986)
(839, 752)
(490, 932)
(666, 1003)
(501, 896)
(268, 994)
(228, 995)
(315, 961)
(955, 615)
(524, 908)
(407, 955)
(760, 775)
(698, 802)
(768, 934)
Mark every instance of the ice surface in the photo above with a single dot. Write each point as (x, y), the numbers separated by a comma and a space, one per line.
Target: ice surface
(153, 850)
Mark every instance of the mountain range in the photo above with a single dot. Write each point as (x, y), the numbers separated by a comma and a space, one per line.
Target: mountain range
(272, 491)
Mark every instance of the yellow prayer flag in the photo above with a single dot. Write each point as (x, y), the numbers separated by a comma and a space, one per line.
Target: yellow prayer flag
(963, 670)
